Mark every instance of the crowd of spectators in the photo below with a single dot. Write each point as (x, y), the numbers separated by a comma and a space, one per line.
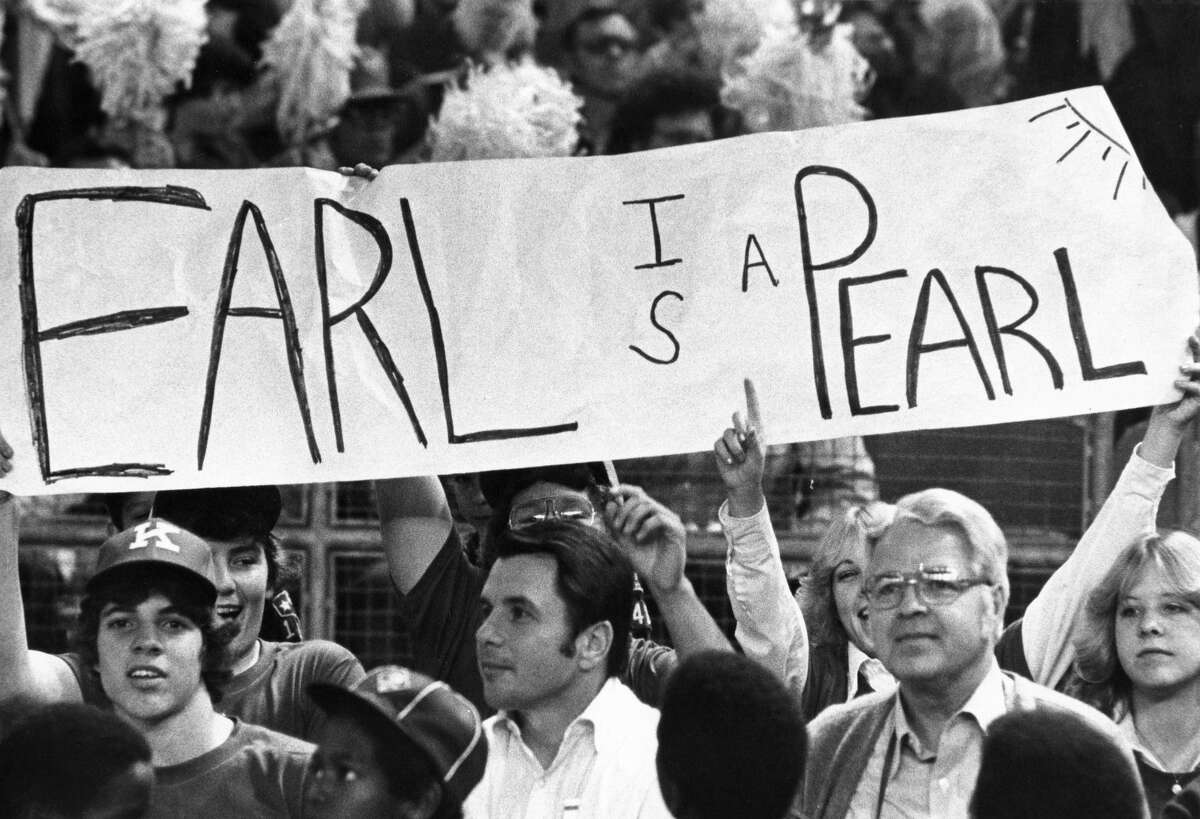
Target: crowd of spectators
(187, 689)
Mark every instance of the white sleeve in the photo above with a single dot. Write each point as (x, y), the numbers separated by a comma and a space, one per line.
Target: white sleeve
(1128, 514)
(770, 628)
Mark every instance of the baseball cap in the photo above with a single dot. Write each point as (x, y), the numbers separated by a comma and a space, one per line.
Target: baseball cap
(222, 513)
(160, 542)
(425, 711)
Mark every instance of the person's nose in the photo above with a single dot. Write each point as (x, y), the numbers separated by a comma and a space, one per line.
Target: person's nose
(910, 600)
(146, 639)
(488, 633)
(222, 577)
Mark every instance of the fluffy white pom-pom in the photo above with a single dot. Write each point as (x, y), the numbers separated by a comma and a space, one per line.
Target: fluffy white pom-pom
(312, 51)
(138, 51)
(506, 112)
(790, 83)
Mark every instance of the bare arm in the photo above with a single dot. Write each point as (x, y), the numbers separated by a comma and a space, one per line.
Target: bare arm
(656, 542)
(414, 522)
(32, 675)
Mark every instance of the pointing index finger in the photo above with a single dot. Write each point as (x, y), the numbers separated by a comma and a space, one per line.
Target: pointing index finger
(752, 410)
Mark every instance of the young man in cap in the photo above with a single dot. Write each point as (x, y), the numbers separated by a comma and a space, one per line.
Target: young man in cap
(397, 744)
(148, 638)
(569, 738)
(269, 678)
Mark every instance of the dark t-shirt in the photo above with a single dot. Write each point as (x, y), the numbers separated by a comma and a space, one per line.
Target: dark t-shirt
(271, 693)
(443, 613)
(256, 772)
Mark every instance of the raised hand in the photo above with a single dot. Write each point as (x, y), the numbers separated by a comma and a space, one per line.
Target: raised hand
(740, 454)
(652, 535)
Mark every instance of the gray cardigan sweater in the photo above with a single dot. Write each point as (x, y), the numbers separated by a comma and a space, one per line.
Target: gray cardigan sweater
(841, 739)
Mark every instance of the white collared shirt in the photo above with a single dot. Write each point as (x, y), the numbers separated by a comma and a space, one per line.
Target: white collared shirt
(604, 766)
(922, 782)
(879, 677)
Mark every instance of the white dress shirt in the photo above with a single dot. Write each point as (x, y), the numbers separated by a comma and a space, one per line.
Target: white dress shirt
(604, 767)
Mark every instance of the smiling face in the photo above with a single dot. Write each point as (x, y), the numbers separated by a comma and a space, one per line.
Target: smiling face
(345, 779)
(524, 644)
(1158, 634)
(241, 577)
(851, 604)
(947, 646)
(150, 658)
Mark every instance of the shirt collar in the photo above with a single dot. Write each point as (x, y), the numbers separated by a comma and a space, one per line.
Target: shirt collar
(601, 719)
(858, 660)
(985, 704)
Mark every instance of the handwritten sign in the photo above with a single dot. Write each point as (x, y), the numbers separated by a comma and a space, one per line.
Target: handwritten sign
(184, 328)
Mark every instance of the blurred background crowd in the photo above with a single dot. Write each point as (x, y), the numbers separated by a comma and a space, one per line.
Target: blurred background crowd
(323, 83)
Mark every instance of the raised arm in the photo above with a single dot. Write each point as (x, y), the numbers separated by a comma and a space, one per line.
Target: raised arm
(414, 522)
(26, 674)
(656, 541)
(770, 628)
(1128, 514)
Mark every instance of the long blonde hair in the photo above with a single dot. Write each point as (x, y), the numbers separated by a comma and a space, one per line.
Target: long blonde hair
(857, 529)
(1100, 680)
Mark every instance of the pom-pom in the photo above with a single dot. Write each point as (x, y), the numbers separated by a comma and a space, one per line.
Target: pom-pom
(138, 51)
(792, 82)
(727, 31)
(312, 51)
(506, 112)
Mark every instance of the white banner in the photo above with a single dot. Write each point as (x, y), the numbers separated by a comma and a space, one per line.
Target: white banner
(187, 328)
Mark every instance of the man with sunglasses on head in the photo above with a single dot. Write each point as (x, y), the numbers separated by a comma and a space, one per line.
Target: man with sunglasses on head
(937, 587)
(440, 587)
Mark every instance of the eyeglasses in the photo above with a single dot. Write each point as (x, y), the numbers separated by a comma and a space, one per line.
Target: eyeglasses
(560, 507)
(934, 587)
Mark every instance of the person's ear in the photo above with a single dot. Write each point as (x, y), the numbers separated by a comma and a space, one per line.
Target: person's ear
(593, 644)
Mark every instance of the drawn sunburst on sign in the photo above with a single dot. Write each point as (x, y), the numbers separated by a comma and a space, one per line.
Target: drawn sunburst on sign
(1076, 120)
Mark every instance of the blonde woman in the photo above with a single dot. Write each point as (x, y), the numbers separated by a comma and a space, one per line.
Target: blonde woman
(1137, 647)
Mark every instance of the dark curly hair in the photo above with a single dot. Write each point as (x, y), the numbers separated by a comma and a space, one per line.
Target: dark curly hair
(133, 585)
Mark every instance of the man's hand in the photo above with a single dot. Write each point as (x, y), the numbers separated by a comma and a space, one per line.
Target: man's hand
(740, 455)
(652, 535)
(362, 170)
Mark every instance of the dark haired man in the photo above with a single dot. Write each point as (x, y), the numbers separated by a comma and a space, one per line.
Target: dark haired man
(149, 641)
(601, 57)
(440, 587)
(666, 108)
(569, 738)
(731, 740)
(269, 678)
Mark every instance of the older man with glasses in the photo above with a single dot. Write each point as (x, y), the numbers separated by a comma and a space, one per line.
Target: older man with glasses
(937, 587)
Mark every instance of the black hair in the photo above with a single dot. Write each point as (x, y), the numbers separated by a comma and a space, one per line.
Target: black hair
(409, 771)
(58, 757)
(500, 486)
(731, 739)
(594, 578)
(132, 585)
(591, 14)
(663, 92)
(1052, 763)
